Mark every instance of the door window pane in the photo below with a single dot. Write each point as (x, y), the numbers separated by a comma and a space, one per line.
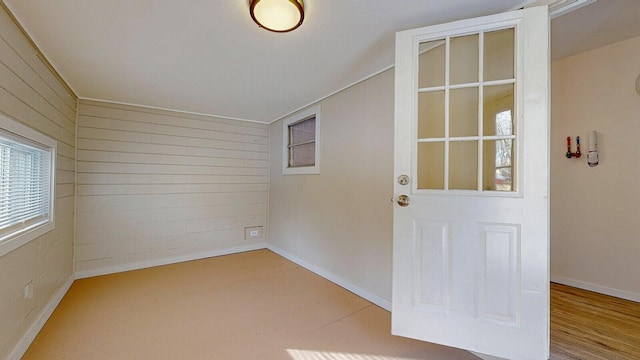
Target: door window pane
(498, 54)
(464, 59)
(463, 112)
(498, 100)
(498, 165)
(463, 165)
(431, 67)
(431, 166)
(431, 114)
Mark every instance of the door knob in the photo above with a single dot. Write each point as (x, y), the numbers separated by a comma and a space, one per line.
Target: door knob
(403, 200)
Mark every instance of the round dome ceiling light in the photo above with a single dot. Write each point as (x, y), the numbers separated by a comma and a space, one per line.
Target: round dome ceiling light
(277, 15)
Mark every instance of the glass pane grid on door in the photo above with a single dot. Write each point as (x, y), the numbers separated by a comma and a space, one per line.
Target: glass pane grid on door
(465, 137)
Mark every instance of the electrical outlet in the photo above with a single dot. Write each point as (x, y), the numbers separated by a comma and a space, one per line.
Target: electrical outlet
(253, 232)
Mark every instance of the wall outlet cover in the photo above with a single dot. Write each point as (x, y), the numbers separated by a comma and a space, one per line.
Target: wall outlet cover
(253, 232)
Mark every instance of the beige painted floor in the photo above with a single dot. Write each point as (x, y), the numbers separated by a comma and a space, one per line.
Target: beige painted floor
(254, 305)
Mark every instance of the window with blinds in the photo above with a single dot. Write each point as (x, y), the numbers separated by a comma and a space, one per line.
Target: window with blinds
(26, 184)
(301, 148)
(302, 143)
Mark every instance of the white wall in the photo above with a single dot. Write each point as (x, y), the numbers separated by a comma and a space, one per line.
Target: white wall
(595, 229)
(340, 221)
(32, 94)
(158, 187)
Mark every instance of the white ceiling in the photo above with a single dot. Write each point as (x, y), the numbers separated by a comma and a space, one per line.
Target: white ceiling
(208, 57)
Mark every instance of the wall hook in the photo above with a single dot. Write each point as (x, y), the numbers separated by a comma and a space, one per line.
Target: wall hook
(570, 154)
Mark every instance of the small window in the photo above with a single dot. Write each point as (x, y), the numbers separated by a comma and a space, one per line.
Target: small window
(504, 152)
(26, 184)
(301, 150)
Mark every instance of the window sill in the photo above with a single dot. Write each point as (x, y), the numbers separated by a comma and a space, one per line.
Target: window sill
(14, 241)
(307, 170)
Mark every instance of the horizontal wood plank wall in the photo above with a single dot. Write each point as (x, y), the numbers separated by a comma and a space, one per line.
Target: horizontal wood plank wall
(156, 184)
(31, 94)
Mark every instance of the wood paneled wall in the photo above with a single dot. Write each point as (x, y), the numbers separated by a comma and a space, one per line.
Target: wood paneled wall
(31, 94)
(156, 185)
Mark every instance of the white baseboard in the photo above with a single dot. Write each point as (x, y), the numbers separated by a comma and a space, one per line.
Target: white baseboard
(34, 329)
(383, 303)
(627, 295)
(166, 261)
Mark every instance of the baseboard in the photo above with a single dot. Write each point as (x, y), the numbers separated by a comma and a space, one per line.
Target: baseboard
(627, 295)
(383, 303)
(34, 329)
(166, 261)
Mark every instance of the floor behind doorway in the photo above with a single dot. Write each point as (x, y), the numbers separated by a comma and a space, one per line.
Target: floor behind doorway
(589, 326)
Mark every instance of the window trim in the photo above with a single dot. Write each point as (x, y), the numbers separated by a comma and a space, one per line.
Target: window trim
(12, 241)
(298, 117)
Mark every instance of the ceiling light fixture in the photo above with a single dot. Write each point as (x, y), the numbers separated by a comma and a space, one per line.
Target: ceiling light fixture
(277, 15)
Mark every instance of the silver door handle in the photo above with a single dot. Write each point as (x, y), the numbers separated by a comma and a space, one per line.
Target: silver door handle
(402, 200)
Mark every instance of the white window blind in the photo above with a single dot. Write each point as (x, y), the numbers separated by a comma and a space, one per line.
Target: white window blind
(24, 184)
(301, 142)
(27, 183)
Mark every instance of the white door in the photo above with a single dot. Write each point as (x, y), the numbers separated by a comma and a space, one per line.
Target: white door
(471, 248)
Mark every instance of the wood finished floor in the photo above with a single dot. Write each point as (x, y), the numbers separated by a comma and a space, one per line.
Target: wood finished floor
(258, 305)
(587, 325)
